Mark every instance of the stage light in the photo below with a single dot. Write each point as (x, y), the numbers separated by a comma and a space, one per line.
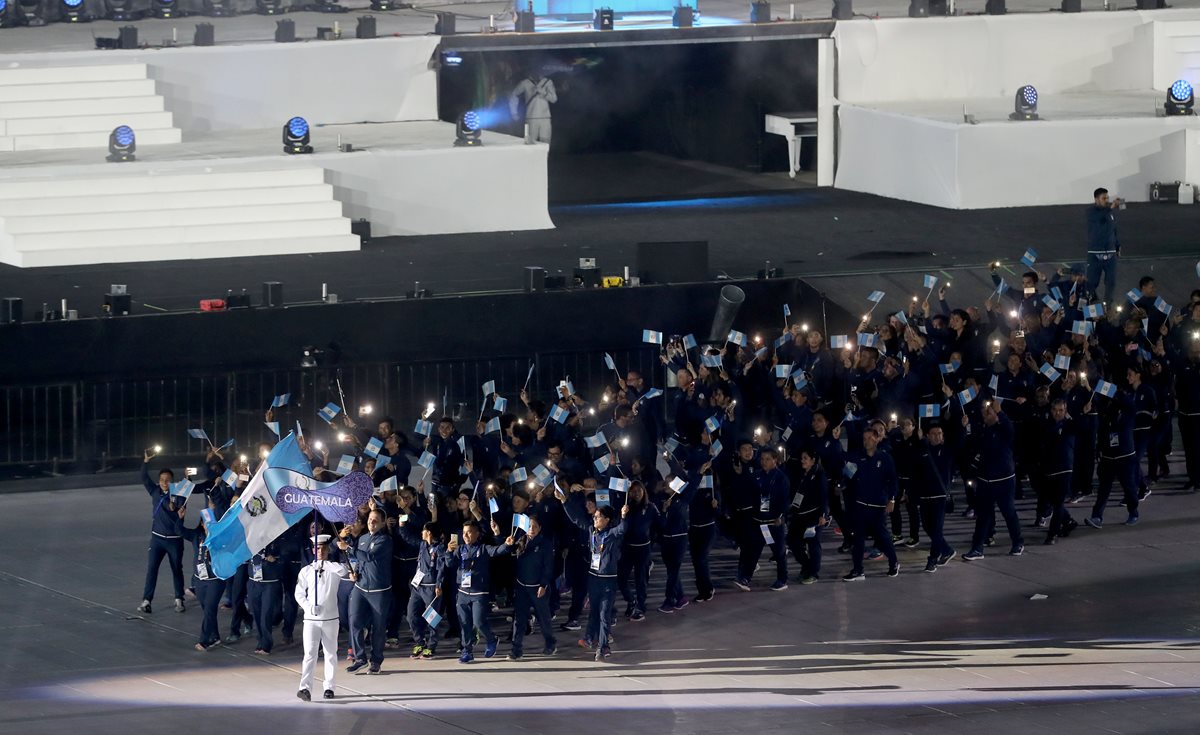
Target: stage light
(1180, 99)
(268, 7)
(295, 136)
(164, 9)
(4, 21)
(121, 10)
(467, 132)
(383, 5)
(121, 144)
(1025, 104)
(29, 12)
(72, 11)
(219, 8)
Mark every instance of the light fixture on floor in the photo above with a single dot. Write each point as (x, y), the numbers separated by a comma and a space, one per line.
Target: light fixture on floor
(164, 8)
(121, 144)
(466, 133)
(296, 136)
(1025, 104)
(1180, 99)
(29, 12)
(268, 7)
(72, 11)
(4, 19)
(219, 8)
(121, 10)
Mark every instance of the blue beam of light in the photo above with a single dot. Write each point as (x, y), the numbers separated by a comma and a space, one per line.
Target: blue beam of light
(750, 201)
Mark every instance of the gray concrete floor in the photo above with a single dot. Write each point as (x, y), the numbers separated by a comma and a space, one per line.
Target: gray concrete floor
(1115, 648)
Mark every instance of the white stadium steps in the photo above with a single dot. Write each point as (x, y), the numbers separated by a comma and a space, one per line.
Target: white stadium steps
(48, 108)
(155, 215)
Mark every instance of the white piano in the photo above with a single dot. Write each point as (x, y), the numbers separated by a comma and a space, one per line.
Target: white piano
(793, 126)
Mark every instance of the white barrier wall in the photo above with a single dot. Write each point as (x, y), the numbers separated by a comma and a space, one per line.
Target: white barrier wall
(1009, 165)
(990, 56)
(262, 85)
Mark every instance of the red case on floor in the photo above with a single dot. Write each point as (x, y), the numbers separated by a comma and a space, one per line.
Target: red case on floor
(212, 304)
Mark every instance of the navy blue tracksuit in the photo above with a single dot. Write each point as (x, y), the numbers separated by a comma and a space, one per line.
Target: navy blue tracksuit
(873, 485)
(166, 538)
(371, 599)
(604, 548)
(209, 587)
(473, 565)
(997, 483)
(810, 503)
(429, 576)
(535, 572)
(264, 592)
(773, 495)
(1117, 454)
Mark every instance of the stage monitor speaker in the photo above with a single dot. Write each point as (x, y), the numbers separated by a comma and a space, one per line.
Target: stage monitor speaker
(683, 16)
(362, 228)
(684, 261)
(939, 7)
(918, 9)
(1151, 4)
(204, 35)
(535, 279)
(272, 293)
(118, 304)
(602, 19)
(365, 27)
(285, 31)
(760, 12)
(444, 25)
(127, 37)
(1072, 6)
(587, 277)
(556, 283)
(996, 7)
(843, 9)
(525, 21)
(11, 310)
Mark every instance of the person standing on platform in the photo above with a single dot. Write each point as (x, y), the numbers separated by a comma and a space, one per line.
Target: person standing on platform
(539, 94)
(316, 594)
(1103, 245)
(166, 535)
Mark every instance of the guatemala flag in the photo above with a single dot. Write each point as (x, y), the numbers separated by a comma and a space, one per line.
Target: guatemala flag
(255, 520)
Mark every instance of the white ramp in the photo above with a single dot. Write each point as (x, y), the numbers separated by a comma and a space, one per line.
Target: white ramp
(51, 108)
(138, 213)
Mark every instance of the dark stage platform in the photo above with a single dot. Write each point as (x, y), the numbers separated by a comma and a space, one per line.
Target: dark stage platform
(1114, 648)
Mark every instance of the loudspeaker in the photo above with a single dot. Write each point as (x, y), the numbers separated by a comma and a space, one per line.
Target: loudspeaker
(1071, 6)
(760, 12)
(683, 261)
(587, 277)
(683, 16)
(238, 301)
(204, 35)
(556, 283)
(362, 228)
(843, 9)
(285, 31)
(11, 310)
(1151, 4)
(918, 9)
(444, 25)
(127, 37)
(525, 21)
(995, 7)
(939, 7)
(366, 27)
(119, 304)
(272, 293)
(602, 19)
(535, 279)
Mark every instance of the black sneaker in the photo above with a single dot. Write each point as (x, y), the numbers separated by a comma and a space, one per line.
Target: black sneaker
(1049, 541)
(1017, 550)
(854, 577)
(911, 542)
(945, 558)
(303, 694)
(572, 625)
(356, 666)
(703, 598)
(638, 616)
(550, 651)
(144, 607)
(931, 566)
(328, 694)
(894, 571)
(374, 669)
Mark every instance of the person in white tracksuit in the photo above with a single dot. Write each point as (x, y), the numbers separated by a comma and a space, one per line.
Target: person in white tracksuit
(316, 594)
(539, 94)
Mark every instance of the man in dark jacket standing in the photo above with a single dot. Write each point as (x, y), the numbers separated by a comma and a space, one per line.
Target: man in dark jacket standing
(1103, 245)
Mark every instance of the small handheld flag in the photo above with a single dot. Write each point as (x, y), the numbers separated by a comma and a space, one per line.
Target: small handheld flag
(596, 441)
(677, 484)
(489, 388)
(1093, 311)
(373, 447)
(345, 464)
(200, 434)
(737, 338)
(652, 393)
(500, 405)
(230, 478)
(787, 310)
(1106, 389)
(426, 460)
(609, 363)
(182, 489)
(876, 296)
(423, 427)
(523, 522)
(838, 341)
(1062, 362)
(1082, 328)
(689, 342)
(650, 336)
(1029, 258)
(329, 412)
(273, 426)
(1162, 306)
(390, 484)
(542, 475)
(1134, 295)
(930, 410)
(603, 463)
(492, 426)
(1048, 370)
(715, 449)
(620, 484)
(518, 475)
(930, 281)
(281, 400)
(493, 506)
(432, 617)
(713, 424)
(782, 372)
(968, 395)
(710, 361)
(559, 414)
(850, 469)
